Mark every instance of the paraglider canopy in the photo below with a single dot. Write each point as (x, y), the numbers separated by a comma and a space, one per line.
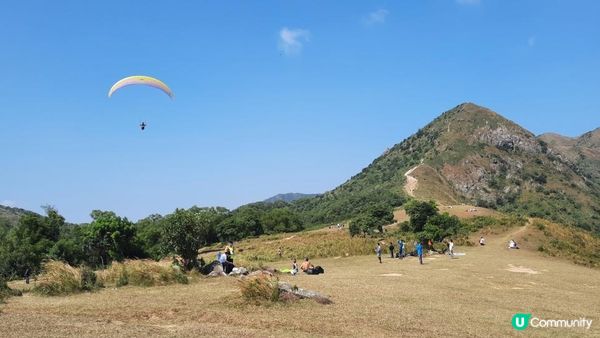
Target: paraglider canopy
(141, 80)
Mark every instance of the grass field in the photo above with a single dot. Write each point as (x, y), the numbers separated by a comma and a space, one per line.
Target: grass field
(471, 295)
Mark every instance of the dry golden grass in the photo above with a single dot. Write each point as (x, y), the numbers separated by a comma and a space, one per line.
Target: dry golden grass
(462, 211)
(326, 242)
(472, 295)
(58, 278)
(259, 289)
(556, 240)
(141, 273)
(431, 185)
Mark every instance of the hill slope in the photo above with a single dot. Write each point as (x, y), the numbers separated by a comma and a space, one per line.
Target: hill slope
(289, 197)
(472, 154)
(9, 216)
(584, 151)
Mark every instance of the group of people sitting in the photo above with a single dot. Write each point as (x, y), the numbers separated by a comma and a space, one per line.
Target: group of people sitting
(306, 267)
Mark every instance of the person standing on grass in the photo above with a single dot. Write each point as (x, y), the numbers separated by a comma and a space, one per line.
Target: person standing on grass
(451, 249)
(402, 248)
(420, 252)
(378, 252)
(399, 248)
(391, 247)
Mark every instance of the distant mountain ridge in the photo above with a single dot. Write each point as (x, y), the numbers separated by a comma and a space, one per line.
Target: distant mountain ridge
(9, 216)
(289, 197)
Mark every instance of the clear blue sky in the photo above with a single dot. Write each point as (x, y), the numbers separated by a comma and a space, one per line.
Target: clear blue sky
(270, 96)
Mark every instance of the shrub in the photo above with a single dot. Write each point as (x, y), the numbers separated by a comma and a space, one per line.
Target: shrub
(260, 289)
(89, 280)
(58, 278)
(142, 273)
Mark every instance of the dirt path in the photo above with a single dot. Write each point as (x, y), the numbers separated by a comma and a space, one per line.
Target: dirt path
(513, 234)
(411, 182)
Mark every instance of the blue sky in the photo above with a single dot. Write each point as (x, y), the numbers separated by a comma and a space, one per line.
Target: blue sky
(270, 96)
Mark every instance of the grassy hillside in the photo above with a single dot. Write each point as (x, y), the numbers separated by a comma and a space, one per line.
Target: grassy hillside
(289, 197)
(9, 216)
(583, 151)
(471, 154)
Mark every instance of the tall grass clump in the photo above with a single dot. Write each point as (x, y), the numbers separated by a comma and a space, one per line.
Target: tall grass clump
(60, 278)
(142, 273)
(260, 289)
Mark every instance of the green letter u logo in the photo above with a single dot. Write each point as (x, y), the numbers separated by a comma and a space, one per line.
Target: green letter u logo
(520, 321)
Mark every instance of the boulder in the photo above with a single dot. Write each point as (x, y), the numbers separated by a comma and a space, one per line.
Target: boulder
(304, 293)
(217, 271)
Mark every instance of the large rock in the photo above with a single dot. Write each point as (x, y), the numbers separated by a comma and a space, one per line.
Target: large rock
(304, 293)
(217, 271)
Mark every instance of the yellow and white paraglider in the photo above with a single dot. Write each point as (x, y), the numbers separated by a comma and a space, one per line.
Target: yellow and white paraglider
(144, 81)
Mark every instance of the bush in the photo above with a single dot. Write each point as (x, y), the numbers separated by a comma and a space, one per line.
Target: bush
(260, 289)
(142, 273)
(58, 278)
(89, 280)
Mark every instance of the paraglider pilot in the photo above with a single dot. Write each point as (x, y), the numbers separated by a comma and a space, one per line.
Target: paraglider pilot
(143, 125)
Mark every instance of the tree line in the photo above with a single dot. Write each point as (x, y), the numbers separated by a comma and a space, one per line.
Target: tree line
(109, 237)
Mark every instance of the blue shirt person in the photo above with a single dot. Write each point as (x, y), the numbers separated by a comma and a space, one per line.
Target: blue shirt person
(420, 252)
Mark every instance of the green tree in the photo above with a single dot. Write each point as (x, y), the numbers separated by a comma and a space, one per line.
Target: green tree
(281, 220)
(363, 224)
(109, 237)
(149, 236)
(419, 212)
(186, 231)
(439, 227)
(241, 223)
(26, 245)
(70, 246)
